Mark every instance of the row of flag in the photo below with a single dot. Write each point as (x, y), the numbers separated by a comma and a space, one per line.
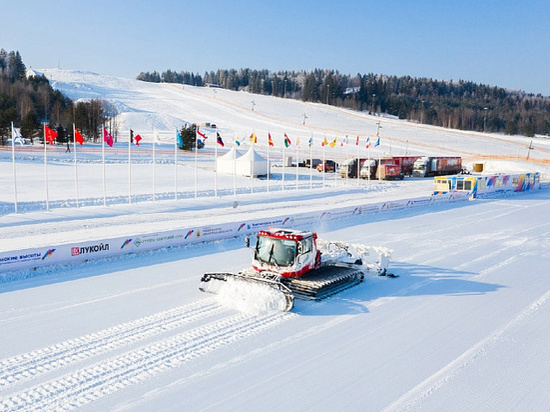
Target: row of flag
(201, 137)
(51, 134)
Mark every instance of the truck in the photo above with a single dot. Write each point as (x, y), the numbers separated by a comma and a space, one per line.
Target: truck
(387, 170)
(405, 163)
(351, 167)
(431, 166)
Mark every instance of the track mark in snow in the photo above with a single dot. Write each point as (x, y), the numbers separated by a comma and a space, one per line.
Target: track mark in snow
(27, 366)
(83, 386)
(425, 388)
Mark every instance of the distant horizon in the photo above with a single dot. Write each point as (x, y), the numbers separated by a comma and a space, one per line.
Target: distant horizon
(296, 70)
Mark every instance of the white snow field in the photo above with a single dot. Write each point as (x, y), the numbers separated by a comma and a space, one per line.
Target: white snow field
(465, 326)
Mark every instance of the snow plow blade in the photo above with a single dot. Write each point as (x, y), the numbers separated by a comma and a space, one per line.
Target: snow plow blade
(246, 289)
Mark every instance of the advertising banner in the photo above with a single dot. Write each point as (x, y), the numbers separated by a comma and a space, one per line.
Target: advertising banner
(82, 251)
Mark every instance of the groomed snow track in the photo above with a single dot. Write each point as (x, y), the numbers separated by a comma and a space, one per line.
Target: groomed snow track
(85, 385)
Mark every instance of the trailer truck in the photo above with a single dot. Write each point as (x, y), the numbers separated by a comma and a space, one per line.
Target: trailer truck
(432, 166)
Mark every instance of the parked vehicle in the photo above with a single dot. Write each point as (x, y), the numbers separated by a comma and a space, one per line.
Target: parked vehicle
(313, 163)
(479, 185)
(405, 163)
(368, 170)
(432, 166)
(351, 168)
(387, 170)
(327, 166)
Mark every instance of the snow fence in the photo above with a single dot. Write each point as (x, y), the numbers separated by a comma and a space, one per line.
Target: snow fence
(109, 247)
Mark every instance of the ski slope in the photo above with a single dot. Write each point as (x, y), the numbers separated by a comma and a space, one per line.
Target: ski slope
(464, 327)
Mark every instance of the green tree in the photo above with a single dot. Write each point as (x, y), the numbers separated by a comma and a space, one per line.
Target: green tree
(16, 68)
(30, 125)
(189, 137)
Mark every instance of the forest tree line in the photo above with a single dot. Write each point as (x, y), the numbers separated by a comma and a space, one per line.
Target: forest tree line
(459, 104)
(29, 102)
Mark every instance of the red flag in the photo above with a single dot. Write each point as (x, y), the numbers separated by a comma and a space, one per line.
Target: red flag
(269, 139)
(137, 138)
(204, 137)
(50, 134)
(78, 137)
(107, 137)
(357, 141)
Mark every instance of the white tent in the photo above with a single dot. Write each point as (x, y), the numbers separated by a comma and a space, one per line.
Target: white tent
(251, 164)
(227, 163)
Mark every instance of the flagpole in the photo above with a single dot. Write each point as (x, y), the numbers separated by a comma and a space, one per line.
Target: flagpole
(104, 176)
(324, 159)
(176, 168)
(46, 170)
(283, 169)
(235, 168)
(216, 167)
(252, 171)
(379, 160)
(196, 163)
(346, 155)
(13, 163)
(358, 160)
(130, 168)
(75, 167)
(311, 160)
(370, 166)
(334, 168)
(297, 159)
(154, 164)
(268, 162)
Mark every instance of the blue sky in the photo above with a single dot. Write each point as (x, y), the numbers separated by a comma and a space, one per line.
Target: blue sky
(503, 43)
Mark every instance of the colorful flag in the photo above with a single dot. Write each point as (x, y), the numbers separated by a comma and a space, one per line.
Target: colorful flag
(17, 138)
(377, 142)
(287, 141)
(253, 138)
(298, 141)
(137, 139)
(219, 139)
(202, 135)
(50, 134)
(269, 139)
(179, 138)
(78, 137)
(107, 138)
(333, 143)
(310, 143)
(368, 143)
(324, 142)
(237, 142)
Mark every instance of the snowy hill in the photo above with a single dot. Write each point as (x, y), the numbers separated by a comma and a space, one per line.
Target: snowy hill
(146, 107)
